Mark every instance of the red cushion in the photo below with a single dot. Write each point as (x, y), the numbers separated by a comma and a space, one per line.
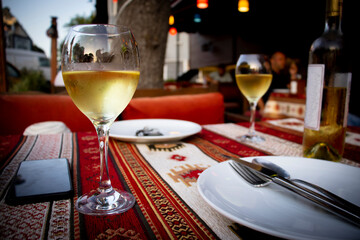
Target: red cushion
(20, 111)
(205, 108)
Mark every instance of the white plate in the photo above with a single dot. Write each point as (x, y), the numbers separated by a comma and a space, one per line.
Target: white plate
(278, 212)
(280, 90)
(172, 130)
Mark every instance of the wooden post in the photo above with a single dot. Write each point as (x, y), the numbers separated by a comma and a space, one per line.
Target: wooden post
(53, 34)
(53, 62)
(3, 83)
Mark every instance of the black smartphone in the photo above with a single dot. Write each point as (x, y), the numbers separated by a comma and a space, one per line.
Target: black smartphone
(40, 181)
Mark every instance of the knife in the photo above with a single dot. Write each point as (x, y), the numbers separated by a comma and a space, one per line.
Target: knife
(350, 213)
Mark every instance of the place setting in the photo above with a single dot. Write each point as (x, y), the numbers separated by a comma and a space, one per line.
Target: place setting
(286, 196)
(153, 130)
(275, 210)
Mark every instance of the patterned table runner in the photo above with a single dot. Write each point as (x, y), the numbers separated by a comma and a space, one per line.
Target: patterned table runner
(296, 127)
(41, 220)
(162, 178)
(284, 105)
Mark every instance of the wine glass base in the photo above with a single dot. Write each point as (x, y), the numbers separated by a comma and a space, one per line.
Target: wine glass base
(251, 138)
(105, 203)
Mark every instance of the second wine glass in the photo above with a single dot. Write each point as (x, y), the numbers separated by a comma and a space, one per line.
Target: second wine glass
(253, 77)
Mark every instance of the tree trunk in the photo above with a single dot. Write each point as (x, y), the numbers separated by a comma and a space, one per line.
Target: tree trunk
(3, 83)
(148, 21)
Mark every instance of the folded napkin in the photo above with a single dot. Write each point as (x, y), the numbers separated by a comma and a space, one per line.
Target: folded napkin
(49, 127)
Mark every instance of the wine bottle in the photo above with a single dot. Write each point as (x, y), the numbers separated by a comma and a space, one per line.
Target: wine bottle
(327, 91)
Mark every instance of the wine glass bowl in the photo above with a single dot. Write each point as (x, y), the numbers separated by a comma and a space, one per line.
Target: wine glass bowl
(100, 67)
(253, 77)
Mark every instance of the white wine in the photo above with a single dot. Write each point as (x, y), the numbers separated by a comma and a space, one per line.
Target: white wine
(328, 142)
(253, 86)
(327, 92)
(101, 95)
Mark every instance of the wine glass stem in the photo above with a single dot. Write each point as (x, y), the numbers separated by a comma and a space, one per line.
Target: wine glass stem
(252, 118)
(103, 137)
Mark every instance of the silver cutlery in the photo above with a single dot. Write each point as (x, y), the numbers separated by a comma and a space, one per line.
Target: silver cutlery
(259, 175)
(283, 173)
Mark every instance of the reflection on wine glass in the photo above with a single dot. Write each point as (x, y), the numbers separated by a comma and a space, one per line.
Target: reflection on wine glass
(100, 66)
(253, 77)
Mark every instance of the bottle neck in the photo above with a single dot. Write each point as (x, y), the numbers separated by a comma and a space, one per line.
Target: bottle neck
(333, 16)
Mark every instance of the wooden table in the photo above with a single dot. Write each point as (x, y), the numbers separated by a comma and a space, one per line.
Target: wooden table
(162, 177)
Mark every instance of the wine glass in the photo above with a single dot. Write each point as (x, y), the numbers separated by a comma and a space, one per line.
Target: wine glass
(100, 67)
(253, 77)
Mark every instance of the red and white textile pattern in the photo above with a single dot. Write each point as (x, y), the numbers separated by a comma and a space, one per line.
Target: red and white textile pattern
(23, 222)
(162, 177)
(289, 123)
(30, 221)
(179, 164)
(352, 138)
(288, 109)
(272, 145)
(296, 126)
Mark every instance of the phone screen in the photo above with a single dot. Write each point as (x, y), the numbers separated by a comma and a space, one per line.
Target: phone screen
(41, 180)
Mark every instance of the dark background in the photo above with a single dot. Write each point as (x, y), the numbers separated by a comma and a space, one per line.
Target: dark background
(286, 25)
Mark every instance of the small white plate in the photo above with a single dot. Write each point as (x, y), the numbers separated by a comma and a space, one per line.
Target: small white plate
(172, 130)
(278, 212)
(280, 90)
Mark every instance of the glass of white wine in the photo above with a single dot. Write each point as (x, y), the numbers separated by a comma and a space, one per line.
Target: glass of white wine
(100, 67)
(253, 77)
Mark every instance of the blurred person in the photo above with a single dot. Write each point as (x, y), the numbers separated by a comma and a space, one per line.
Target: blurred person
(294, 69)
(278, 68)
(297, 80)
(281, 77)
(219, 76)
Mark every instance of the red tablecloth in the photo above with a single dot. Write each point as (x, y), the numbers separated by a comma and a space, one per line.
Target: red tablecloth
(162, 178)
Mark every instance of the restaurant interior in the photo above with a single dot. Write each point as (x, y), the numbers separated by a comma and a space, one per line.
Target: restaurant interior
(170, 165)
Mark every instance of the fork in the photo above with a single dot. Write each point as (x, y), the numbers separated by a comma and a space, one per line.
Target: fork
(257, 180)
